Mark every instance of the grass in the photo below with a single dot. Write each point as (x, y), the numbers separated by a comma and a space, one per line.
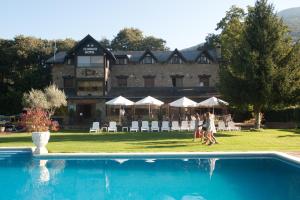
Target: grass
(269, 140)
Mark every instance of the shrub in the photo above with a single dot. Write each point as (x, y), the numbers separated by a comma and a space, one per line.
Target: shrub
(50, 99)
(36, 120)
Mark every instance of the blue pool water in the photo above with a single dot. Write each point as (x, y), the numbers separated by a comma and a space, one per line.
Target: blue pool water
(25, 177)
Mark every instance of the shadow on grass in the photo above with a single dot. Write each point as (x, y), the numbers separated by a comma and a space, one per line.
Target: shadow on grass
(161, 146)
(16, 139)
(296, 133)
(107, 137)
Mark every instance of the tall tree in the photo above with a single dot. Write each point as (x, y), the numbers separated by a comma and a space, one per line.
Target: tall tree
(22, 67)
(132, 39)
(153, 43)
(104, 42)
(258, 58)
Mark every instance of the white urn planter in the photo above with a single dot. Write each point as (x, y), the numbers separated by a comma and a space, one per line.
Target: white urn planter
(40, 139)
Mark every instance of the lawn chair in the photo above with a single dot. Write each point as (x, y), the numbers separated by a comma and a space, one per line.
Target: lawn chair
(175, 126)
(112, 127)
(154, 126)
(134, 126)
(232, 127)
(165, 126)
(185, 126)
(95, 127)
(145, 126)
(221, 126)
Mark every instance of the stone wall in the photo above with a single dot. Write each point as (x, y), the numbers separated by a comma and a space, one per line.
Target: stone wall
(61, 70)
(163, 73)
(89, 72)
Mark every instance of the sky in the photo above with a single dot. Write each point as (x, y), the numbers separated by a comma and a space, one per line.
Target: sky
(182, 23)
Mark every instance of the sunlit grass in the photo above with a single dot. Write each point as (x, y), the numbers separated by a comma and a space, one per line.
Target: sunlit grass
(78, 141)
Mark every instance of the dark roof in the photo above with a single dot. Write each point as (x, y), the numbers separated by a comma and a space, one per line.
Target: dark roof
(59, 58)
(164, 56)
(135, 56)
(163, 92)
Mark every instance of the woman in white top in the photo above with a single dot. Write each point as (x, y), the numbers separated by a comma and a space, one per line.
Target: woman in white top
(211, 128)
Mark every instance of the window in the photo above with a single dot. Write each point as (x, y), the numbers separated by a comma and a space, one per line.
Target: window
(177, 81)
(122, 81)
(89, 86)
(89, 61)
(203, 60)
(175, 60)
(121, 61)
(148, 60)
(149, 81)
(68, 82)
(204, 80)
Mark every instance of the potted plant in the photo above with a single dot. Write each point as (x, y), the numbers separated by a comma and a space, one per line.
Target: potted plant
(41, 105)
(38, 122)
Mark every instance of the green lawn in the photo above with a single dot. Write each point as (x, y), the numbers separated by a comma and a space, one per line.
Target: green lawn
(269, 139)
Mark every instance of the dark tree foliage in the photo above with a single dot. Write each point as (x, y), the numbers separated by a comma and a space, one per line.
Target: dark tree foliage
(132, 39)
(22, 67)
(260, 65)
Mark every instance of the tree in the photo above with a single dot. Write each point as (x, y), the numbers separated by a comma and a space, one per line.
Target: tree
(153, 43)
(55, 98)
(132, 39)
(49, 100)
(105, 43)
(259, 63)
(22, 67)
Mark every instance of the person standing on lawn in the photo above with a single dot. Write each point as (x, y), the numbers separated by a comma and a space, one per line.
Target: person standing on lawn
(197, 127)
(211, 128)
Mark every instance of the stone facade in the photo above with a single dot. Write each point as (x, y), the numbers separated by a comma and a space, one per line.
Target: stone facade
(90, 75)
(162, 74)
(59, 71)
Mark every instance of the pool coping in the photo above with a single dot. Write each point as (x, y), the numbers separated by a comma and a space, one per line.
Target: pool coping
(106, 155)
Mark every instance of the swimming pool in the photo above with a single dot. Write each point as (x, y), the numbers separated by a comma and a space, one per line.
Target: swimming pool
(148, 177)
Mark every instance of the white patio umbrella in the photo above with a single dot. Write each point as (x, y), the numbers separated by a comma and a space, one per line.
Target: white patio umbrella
(120, 101)
(212, 102)
(183, 102)
(149, 101)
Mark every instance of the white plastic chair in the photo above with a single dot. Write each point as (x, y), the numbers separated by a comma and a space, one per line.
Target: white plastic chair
(112, 127)
(185, 126)
(232, 127)
(145, 126)
(221, 126)
(154, 126)
(175, 126)
(95, 127)
(165, 126)
(134, 126)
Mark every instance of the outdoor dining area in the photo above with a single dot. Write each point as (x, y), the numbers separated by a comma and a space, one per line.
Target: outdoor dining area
(152, 115)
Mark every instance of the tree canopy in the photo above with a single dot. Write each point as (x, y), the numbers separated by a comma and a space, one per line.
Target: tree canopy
(132, 39)
(259, 64)
(22, 67)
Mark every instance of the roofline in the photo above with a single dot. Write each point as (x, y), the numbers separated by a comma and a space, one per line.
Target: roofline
(148, 51)
(176, 51)
(90, 37)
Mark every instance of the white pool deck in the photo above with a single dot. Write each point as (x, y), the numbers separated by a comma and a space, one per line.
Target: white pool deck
(289, 156)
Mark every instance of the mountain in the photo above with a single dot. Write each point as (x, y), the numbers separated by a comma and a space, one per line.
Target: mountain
(195, 47)
(291, 17)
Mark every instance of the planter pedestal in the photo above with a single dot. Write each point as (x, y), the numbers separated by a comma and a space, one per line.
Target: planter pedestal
(40, 139)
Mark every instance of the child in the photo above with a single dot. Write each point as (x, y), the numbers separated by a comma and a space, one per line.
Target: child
(198, 133)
